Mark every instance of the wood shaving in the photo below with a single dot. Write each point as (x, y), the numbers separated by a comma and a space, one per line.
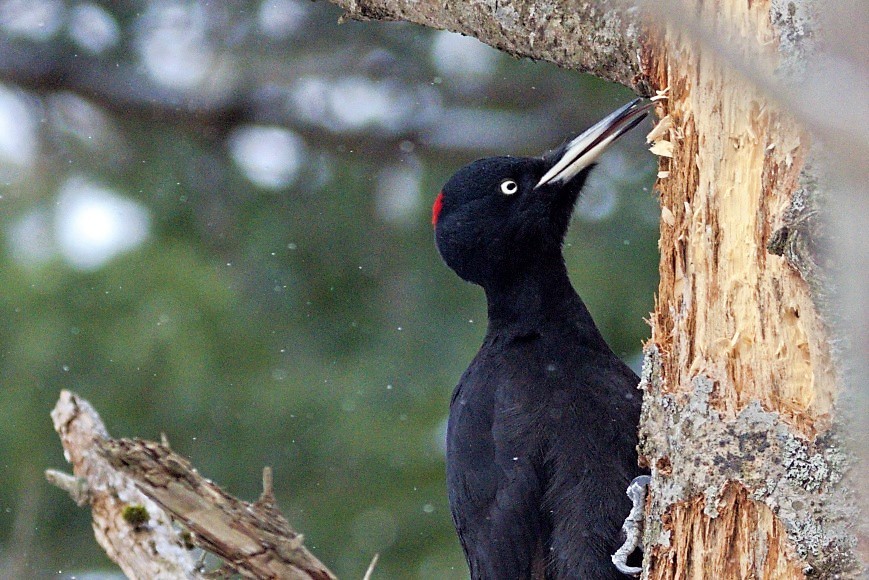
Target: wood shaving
(661, 95)
(668, 216)
(662, 149)
(661, 129)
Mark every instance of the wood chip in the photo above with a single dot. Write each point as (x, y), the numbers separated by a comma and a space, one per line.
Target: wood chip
(661, 129)
(668, 216)
(662, 149)
(660, 95)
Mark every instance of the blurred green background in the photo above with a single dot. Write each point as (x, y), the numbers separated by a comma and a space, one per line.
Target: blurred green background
(215, 223)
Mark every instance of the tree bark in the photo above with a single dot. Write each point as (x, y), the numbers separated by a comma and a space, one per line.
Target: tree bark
(739, 378)
(601, 37)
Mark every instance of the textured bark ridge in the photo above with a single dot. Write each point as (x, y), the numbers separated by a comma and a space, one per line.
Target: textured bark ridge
(739, 377)
(602, 37)
(139, 492)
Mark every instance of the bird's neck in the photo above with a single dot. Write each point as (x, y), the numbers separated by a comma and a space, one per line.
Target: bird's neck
(539, 298)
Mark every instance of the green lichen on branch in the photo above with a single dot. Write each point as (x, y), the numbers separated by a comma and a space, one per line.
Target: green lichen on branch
(136, 515)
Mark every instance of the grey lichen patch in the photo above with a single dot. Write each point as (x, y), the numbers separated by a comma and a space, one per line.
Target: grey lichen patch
(828, 556)
(505, 14)
(693, 449)
(794, 20)
(813, 471)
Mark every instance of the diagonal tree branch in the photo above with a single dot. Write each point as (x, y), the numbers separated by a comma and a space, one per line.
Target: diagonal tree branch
(603, 37)
(133, 531)
(138, 489)
(254, 539)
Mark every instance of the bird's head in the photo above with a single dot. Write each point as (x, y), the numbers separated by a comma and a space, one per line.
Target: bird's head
(499, 217)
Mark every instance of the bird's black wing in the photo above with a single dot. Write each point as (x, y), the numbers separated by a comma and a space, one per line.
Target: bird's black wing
(591, 458)
(494, 477)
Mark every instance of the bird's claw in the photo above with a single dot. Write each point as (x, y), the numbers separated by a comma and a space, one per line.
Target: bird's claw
(633, 525)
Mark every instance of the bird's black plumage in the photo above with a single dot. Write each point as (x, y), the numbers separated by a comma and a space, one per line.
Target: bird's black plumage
(541, 442)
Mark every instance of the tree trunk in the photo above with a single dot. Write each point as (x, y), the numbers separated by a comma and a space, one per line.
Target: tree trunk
(739, 378)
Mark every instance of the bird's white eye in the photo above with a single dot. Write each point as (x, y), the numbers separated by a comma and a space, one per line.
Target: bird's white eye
(509, 187)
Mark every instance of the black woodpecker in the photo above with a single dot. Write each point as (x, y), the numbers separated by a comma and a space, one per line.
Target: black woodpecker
(542, 434)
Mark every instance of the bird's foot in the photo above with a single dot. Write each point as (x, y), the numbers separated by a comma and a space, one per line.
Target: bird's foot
(633, 526)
